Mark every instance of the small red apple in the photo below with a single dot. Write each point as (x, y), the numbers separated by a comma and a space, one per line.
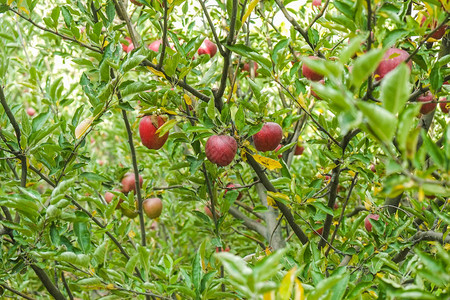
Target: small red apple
(109, 197)
(136, 3)
(246, 68)
(367, 223)
(317, 3)
(154, 46)
(276, 150)
(127, 48)
(227, 249)
(221, 149)
(391, 59)
(233, 186)
(310, 74)
(129, 184)
(208, 211)
(147, 131)
(152, 207)
(373, 168)
(269, 137)
(327, 178)
(428, 106)
(444, 105)
(31, 111)
(299, 150)
(207, 47)
(438, 34)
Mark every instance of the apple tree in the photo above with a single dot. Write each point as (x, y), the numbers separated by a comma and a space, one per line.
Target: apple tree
(165, 149)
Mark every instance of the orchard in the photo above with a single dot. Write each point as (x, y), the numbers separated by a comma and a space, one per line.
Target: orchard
(224, 149)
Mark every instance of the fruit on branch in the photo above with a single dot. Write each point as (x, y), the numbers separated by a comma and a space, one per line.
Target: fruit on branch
(246, 68)
(129, 184)
(31, 111)
(310, 74)
(269, 137)
(391, 59)
(154, 46)
(299, 150)
(136, 3)
(147, 131)
(152, 207)
(221, 149)
(127, 48)
(373, 168)
(428, 106)
(227, 249)
(367, 223)
(207, 47)
(444, 105)
(276, 150)
(109, 197)
(317, 3)
(233, 186)
(438, 34)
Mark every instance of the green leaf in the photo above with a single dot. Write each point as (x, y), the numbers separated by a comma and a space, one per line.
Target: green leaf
(132, 62)
(166, 127)
(365, 65)
(240, 118)
(351, 49)
(196, 270)
(279, 47)
(269, 266)
(235, 266)
(93, 176)
(436, 154)
(252, 54)
(395, 89)
(137, 87)
(210, 111)
(325, 286)
(66, 15)
(83, 234)
(382, 123)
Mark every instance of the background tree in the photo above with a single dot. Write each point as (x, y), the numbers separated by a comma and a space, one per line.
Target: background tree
(214, 150)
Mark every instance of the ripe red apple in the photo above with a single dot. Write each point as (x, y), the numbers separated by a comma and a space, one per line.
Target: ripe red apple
(152, 207)
(310, 74)
(129, 184)
(127, 48)
(233, 186)
(373, 168)
(31, 111)
(221, 149)
(269, 137)
(207, 47)
(367, 223)
(299, 150)
(147, 131)
(136, 3)
(246, 68)
(391, 59)
(427, 107)
(438, 34)
(276, 150)
(208, 212)
(154, 46)
(227, 249)
(109, 197)
(444, 105)
(317, 3)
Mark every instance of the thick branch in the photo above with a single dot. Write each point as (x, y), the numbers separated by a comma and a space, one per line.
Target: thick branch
(47, 282)
(247, 222)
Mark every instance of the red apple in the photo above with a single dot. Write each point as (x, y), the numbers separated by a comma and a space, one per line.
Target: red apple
(152, 207)
(391, 59)
(317, 3)
(130, 48)
(31, 111)
(438, 34)
(208, 211)
(319, 231)
(207, 47)
(129, 184)
(269, 137)
(127, 47)
(221, 149)
(310, 74)
(367, 223)
(109, 197)
(136, 3)
(313, 93)
(154, 46)
(276, 150)
(233, 186)
(373, 168)
(246, 68)
(427, 107)
(227, 249)
(299, 150)
(147, 131)
(444, 105)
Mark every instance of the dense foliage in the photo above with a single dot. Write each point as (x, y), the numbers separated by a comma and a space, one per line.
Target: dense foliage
(354, 204)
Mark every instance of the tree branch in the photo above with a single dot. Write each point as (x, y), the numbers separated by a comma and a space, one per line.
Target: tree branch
(46, 281)
(247, 222)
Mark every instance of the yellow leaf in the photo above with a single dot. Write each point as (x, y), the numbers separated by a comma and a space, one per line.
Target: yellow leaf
(351, 173)
(105, 43)
(269, 163)
(421, 195)
(156, 72)
(110, 286)
(299, 291)
(267, 251)
(83, 127)
(271, 202)
(367, 205)
(301, 102)
(24, 9)
(94, 213)
(285, 290)
(279, 196)
(187, 99)
(131, 234)
(170, 112)
(251, 6)
(9, 2)
(269, 296)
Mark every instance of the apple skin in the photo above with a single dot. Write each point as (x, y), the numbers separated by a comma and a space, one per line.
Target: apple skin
(129, 184)
(233, 186)
(31, 111)
(109, 197)
(391, 59)
(427, 107)
(373, 168)
(154, 46)
(310, 74)
(367, 223)
(208, 48)
(445, 107)
(276, 150)
(136, 3)
(317, 3)
(299, 150)
(127, 48)
(269, 137)
(147, 131)
(152, 207)
(438, 34)
(246, 68)
(221, 149)
(208, 212)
